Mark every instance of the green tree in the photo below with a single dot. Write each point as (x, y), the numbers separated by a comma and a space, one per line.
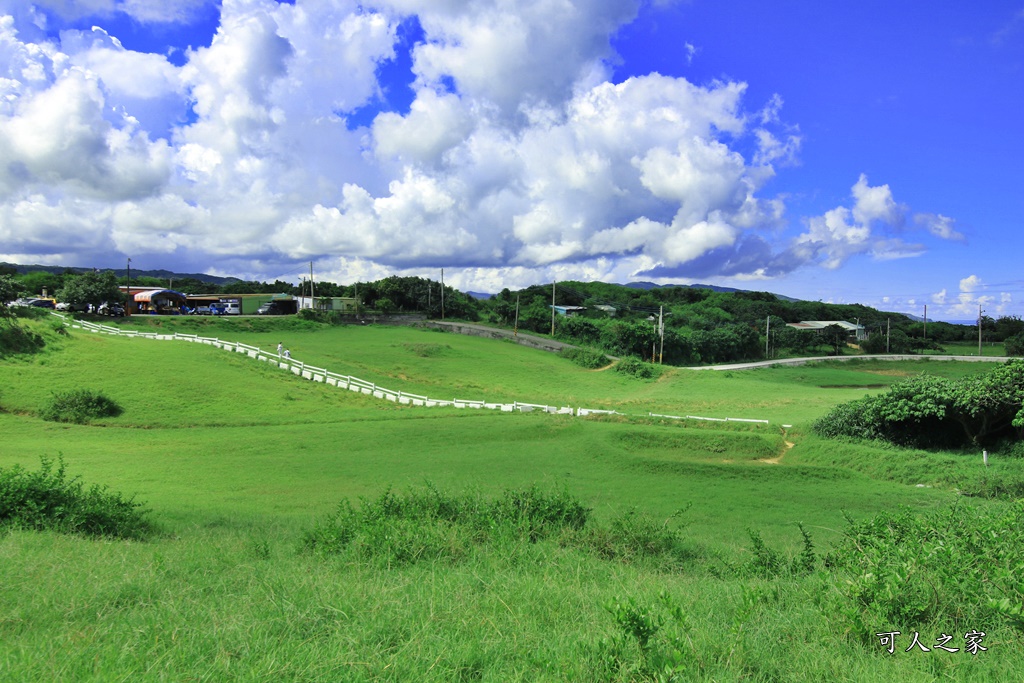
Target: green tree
(90, 288)
(1015, 345)
(39, 280)
(834, 336)
(9, 290)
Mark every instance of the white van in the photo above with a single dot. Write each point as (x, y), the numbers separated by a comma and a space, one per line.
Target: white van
(232, 308)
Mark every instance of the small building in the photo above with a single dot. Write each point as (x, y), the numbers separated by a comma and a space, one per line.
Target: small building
(610, 310)
(248, 304)
(854, 330)
(568, 311)
(342, 304)
(153, 301)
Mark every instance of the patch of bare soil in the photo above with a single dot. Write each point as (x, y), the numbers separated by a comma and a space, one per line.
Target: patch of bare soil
(778, 458)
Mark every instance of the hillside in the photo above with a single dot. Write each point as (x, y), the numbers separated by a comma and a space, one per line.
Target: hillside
(244, 464)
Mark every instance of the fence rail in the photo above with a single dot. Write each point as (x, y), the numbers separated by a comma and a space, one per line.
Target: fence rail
(362, 386)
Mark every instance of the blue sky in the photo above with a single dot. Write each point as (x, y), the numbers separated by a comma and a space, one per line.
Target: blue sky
(867, 152)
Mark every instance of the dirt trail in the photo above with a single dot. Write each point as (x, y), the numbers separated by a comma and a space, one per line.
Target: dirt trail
(778, 458)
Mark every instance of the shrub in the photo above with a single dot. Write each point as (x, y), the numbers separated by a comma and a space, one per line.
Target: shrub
(634, 367)
(48, 500)
(1015, 345)
(430, 524)
(957, 566)
(15, 339)
(585, 358)
(80, 406)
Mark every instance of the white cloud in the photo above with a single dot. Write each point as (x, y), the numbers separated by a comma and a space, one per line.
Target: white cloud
(518, 158)
(970, 283)
(939, 225)
(515, 53)
(875, 204)
(145, 11)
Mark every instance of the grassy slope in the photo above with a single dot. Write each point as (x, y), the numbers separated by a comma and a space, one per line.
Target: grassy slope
(236, 458)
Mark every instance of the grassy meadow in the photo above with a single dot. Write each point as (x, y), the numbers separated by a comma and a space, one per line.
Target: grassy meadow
(237, 460)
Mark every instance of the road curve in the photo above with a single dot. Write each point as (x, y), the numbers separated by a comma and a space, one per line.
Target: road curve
(818, 359)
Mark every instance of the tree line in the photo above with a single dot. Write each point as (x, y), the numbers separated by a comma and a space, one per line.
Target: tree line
(672, 324)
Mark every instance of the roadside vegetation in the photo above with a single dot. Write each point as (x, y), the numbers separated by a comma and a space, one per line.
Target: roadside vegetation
(700, 325)
(311, 533)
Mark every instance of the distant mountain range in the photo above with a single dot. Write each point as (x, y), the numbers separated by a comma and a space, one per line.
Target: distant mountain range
(120, 272)
(713, 288)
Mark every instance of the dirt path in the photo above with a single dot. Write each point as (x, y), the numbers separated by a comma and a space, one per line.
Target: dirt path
(778, 458)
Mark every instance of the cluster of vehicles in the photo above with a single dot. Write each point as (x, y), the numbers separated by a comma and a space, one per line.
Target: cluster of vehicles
(117, 310)
(107, 308)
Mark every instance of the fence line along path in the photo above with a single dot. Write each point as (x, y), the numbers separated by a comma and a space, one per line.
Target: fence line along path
(355, 384)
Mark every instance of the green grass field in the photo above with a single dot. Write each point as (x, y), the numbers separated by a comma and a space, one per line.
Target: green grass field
(236, 459)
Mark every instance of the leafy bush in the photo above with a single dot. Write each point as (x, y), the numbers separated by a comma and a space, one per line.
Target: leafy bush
(48, 500)
(927, 412)
(80, 406)
(957, 566)
(1015, 345)
(634, 367)
(635, 537)
(15, 339)
(430, 524)
(586, 358)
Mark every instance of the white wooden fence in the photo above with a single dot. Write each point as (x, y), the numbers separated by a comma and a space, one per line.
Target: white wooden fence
(361, 386)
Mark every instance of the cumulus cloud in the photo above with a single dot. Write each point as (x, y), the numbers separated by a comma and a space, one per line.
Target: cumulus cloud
(145, 11)
(518, 157)
(939, 225)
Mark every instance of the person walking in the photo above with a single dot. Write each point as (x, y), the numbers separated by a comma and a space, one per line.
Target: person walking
(287, 354)
(280, 348)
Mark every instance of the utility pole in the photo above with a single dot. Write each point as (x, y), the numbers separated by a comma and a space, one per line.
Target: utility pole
(128, 291)
(979, 329)
(515, 326)
(552, 308)
(767, 331)
(312, 296)
(887, 335)
(660, 329)
(442, 294)
(926, 322)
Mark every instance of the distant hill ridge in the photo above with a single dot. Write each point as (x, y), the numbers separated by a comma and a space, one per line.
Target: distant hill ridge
(213, 279)
(121, 272)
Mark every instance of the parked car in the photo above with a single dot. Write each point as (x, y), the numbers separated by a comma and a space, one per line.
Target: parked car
(271, 308)
(218, 309)
(34, 301)
(112, 309)
(232, 307)
(200, 310)
(76, 308)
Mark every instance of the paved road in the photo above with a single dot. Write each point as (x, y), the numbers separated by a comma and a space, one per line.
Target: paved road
(815, 359)
(543, 343)
(552, 345)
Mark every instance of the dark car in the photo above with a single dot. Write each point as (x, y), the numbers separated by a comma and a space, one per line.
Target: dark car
(112, 309)
(218, 309)
(38, 303)
(271, 308)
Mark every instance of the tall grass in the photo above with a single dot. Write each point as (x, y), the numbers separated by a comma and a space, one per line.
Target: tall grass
(243, 464)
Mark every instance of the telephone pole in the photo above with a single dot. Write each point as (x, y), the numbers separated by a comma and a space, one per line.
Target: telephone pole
(661, 331)
(128, 291)
(979, 329)
(552, 309)
(442, 294)
(515, 325)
